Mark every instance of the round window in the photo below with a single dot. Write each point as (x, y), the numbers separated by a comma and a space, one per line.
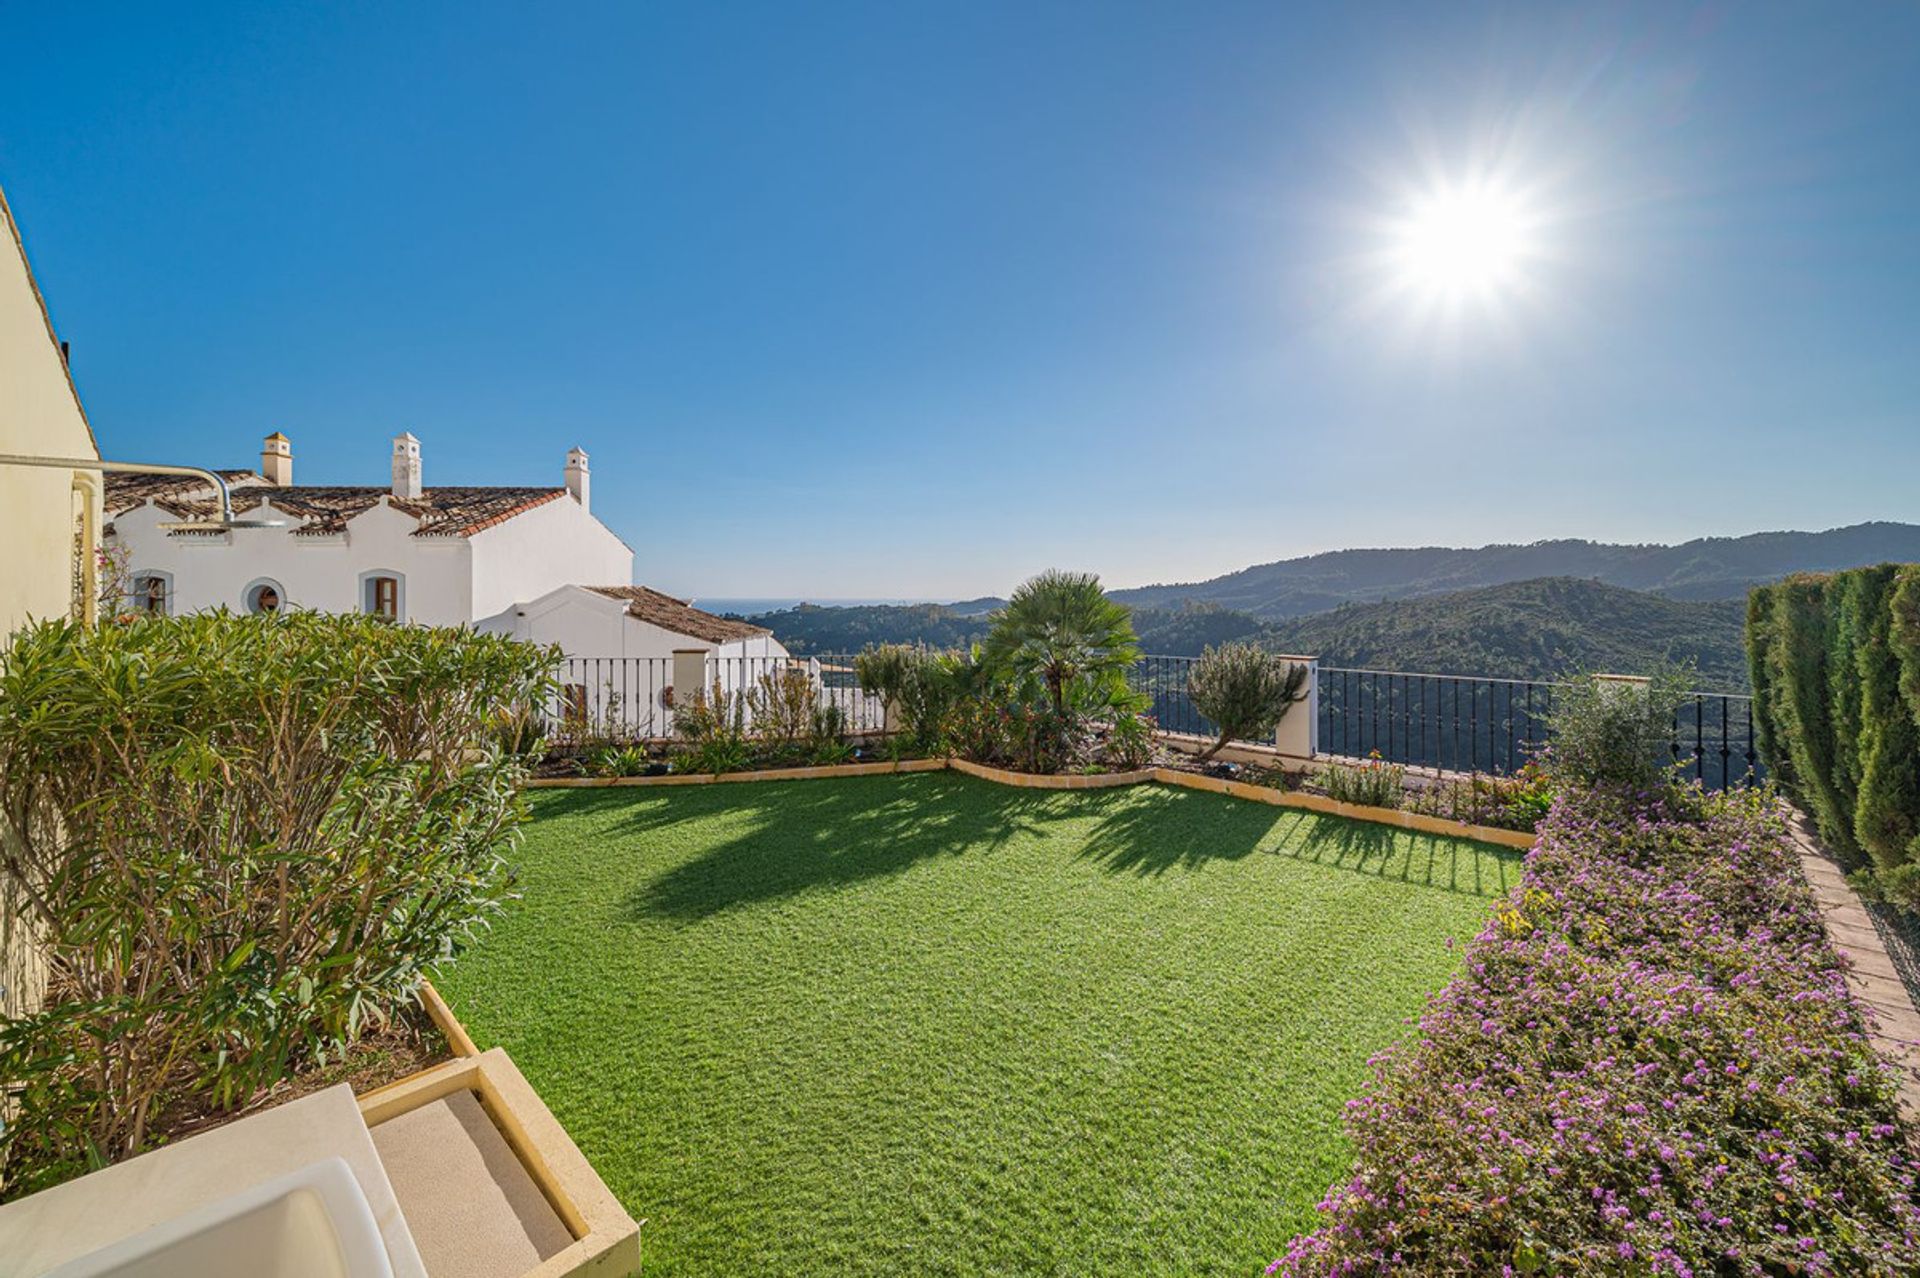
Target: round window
(265, 596)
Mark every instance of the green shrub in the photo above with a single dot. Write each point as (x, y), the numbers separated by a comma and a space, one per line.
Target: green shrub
(1838, 710)
(1886, 804)
(1129, 744)
(1615, 734)
(1372, 784)
(712, 728)
(1851, 603)
(238, 838)
(1518, 802)
(918, 686)
(1762, 635)
(1904, 633)
(1802, 703)
(618, 761)
(781, 713)
(1245, 690)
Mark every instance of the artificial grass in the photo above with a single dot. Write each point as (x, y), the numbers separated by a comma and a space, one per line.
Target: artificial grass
(929, 1024)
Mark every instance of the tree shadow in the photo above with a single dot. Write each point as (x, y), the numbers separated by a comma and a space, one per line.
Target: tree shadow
(1179, 830)
(1406, 856)
(807, 836)
(1187, 829)
(785, 839)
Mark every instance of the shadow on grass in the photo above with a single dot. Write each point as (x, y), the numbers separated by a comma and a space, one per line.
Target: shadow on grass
(1188, 829)
(805, 836)
(785, 839)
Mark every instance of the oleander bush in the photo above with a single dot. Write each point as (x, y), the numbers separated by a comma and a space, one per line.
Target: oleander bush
(1837, 709)
(237, 839)
(1650, 1064)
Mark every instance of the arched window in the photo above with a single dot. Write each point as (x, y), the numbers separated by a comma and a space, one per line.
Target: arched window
(152, 592)
(264, 594)
(383, 593)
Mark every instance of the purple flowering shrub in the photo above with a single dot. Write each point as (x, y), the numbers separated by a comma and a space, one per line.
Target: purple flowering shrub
(1650, 1065)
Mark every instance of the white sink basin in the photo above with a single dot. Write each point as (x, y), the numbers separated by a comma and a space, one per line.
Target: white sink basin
(311, 1223)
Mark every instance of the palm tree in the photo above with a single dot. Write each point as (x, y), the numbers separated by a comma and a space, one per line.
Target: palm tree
(1061, 631)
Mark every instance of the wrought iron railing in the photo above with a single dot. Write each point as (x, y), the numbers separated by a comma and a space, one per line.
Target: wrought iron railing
(631, 699)
(1461, 723)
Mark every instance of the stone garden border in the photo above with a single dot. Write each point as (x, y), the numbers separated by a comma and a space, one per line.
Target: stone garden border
(1415, 821)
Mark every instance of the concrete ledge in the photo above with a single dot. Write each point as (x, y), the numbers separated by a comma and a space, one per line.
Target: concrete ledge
(1235, 751)
(605, 1240)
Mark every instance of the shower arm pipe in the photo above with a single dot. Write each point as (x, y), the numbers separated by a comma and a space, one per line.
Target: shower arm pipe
(137, 468)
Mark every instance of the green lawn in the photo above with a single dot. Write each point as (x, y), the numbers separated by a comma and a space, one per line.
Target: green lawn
(931, 1025)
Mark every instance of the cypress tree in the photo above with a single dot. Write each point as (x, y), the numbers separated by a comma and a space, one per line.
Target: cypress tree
(1887, 813)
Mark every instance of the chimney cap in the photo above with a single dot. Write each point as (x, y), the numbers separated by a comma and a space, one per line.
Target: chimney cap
(405, 436)
(277, 435)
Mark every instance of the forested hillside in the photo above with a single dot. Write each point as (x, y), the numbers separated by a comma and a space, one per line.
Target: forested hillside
(1524, 629)
(1707, 568)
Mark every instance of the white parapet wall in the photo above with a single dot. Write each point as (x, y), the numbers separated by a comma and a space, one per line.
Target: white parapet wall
(1298, 735)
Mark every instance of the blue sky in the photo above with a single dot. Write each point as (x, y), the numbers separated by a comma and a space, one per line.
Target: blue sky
(914, 300)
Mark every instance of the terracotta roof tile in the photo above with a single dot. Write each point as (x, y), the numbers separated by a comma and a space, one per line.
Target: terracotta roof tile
(679, 616)
(320, 511)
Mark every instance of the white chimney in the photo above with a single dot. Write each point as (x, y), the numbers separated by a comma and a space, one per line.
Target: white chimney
(577, 477)
(276, 460)
(406, 465)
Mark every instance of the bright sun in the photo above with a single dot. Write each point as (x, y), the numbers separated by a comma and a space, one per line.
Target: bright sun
(1464, 242)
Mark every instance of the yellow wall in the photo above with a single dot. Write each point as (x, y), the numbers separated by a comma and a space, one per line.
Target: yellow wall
(39, 416)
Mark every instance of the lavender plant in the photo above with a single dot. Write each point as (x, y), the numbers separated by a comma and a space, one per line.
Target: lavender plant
(1650, 1064)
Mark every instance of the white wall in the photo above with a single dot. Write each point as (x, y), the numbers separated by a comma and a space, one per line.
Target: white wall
(530, 554)
(321, 573)
(585, 624)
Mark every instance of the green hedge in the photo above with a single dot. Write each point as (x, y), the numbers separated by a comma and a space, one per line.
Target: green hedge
(1835, 661)
(239, 839)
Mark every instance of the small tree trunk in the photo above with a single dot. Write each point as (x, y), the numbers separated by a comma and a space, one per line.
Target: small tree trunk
(1211, 750)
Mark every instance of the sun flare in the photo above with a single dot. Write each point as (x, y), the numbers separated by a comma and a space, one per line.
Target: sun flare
(1463, 242)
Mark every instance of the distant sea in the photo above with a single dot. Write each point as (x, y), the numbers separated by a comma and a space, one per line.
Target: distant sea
(753, 607)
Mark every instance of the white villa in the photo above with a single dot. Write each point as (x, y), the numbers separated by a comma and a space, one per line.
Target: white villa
(520, 561)
(629, 621)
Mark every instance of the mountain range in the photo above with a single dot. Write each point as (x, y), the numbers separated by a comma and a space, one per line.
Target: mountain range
(1706, 568)
(1546, 609)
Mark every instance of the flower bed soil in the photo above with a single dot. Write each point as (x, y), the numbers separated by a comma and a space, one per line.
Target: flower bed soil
(405, 1045)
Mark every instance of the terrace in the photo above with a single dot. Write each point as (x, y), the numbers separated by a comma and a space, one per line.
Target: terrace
(908, 962)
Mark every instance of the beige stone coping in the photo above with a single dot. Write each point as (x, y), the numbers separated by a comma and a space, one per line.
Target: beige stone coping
(1871, 975)
(442, 1015)
(1416, 821)
(1051, 781)
(471, 1212)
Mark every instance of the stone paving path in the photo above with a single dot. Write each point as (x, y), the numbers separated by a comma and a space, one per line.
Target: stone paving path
(1872, 976)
